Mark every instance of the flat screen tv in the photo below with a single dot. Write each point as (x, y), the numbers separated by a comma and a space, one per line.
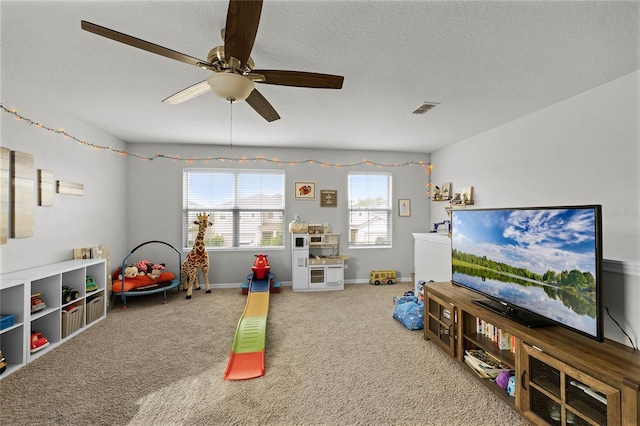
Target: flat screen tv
(537, 265)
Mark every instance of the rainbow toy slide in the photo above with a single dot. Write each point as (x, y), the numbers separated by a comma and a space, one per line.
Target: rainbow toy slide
(246, 360)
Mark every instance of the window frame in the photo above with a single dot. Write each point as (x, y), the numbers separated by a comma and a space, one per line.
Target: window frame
(236, 210)
(388, 211)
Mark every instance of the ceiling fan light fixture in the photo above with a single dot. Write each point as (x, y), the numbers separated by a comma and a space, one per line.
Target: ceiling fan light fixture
(231, 86)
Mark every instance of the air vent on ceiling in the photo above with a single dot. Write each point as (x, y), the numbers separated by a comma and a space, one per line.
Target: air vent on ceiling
(427, 106)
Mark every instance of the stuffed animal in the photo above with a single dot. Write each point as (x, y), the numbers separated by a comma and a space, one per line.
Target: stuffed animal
(154, 274)
(131, 271)
(144, 266)
(156, 270)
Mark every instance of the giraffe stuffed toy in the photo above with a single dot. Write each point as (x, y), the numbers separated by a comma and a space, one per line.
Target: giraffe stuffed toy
(198, 258)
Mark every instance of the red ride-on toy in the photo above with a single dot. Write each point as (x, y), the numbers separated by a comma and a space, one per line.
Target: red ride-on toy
(261, 266)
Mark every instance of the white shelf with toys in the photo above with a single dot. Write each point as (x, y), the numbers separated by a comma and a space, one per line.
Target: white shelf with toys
(42, 307)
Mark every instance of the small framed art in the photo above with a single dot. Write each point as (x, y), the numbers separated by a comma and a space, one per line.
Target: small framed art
(304, 190)
(404, 208)
(328, 198)
(446, 191)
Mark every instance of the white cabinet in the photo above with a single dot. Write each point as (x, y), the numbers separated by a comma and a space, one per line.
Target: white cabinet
(335, 276)
(431, 257)
(299, 262)
(60, 319)
(315, 270)
(326, 277)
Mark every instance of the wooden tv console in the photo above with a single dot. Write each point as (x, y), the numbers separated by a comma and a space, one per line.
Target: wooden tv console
(562, 377)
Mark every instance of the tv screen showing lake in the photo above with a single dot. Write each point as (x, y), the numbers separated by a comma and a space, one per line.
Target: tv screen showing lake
(542, 260)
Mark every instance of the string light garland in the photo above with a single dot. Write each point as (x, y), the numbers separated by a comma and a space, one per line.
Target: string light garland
(428, 166)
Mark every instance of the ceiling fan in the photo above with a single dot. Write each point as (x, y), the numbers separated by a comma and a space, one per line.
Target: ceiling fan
(234, 76)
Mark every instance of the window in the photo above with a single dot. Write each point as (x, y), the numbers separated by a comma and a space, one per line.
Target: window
(370, 209)
(245, 207)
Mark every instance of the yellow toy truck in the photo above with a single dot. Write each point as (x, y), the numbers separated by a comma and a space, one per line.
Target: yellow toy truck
(382, 277)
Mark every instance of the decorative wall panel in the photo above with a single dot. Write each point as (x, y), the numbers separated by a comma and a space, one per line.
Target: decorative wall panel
(22, 195)
(5, 179)
(69, 188)
(45, 184)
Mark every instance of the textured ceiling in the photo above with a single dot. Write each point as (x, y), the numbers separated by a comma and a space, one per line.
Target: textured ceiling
(485, 63)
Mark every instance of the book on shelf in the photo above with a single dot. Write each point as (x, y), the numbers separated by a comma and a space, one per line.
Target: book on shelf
(479, 372)
(485, 364)
(503, 339)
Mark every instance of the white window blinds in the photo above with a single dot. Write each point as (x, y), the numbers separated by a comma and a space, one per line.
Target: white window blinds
(245, 207)
(370, 209)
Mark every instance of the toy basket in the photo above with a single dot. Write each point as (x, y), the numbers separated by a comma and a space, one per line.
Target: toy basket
(298, 227)
(71, 320)
(94, 309)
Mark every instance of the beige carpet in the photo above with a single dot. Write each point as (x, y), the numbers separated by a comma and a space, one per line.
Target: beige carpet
(332, 358)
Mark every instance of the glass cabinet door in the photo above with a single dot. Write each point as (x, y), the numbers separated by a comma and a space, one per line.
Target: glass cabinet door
(440, 323)
(559, 394)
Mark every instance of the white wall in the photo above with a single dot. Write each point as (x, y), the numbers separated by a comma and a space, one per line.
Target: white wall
(584, 150)
(97, 217)
(155, 204)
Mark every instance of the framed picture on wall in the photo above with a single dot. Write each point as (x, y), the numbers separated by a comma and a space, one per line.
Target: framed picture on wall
(304, 190)
(328, 198)
(466, 195)
(404, 208)
(446, 191)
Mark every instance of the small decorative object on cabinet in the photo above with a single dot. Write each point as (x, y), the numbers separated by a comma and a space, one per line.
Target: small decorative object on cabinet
(34, 333)
(446, 191)
(466, 196)
(559, 377)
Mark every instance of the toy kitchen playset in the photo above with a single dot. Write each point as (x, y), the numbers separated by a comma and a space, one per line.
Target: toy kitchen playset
(316, 261)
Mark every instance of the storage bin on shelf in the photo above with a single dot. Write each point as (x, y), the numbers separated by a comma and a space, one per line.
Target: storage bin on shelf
(6, 321)
(94, 309)
(71, 319)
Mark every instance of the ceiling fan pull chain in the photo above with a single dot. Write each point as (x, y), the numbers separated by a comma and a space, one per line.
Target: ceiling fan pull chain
(231, 124)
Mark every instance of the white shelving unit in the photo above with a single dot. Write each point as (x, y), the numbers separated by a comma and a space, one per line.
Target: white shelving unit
(431, 257)
(16, 289)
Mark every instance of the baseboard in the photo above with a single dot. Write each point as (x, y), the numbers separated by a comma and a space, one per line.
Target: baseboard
(288, 283)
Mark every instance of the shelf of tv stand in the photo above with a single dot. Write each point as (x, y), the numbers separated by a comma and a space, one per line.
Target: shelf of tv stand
(488, 345)
(608, 362)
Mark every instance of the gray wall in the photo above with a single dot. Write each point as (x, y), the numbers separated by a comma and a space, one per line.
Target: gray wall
(584, 150)
(97, 217)
(155, 204)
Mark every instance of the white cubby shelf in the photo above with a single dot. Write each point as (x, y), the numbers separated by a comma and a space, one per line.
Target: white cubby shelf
(16, 289)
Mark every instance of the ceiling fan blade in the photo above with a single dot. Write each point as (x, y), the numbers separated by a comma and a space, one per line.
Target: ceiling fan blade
(300, 79)
(141, 44)
(241, 28)
(262, 106)
(188, 93)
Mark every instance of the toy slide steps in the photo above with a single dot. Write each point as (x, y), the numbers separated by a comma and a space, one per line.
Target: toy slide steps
(246, 360)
